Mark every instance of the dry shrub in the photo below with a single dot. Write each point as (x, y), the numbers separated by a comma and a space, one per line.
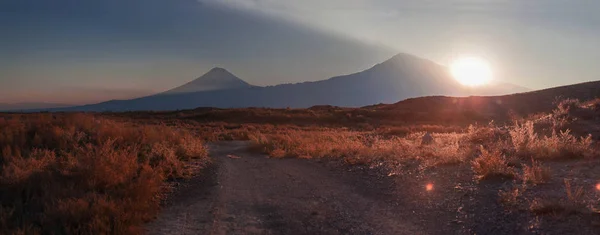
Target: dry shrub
(314, 144)
(190, 147)
(523, 136)
(574, 202)
(81, 174)
(566, 106)
(360, 147)
(570, 110)
(402, 131)
(511, 197)
(542, 206)
(574, 194)
(447, 149)
(562, 145)
(536, 173)
(483, 135)
(492, 165)
(279, 153)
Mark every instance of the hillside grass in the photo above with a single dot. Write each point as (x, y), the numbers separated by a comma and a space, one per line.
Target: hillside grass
(491, 149)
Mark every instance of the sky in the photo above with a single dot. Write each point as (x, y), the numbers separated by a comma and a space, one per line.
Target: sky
(70, 51)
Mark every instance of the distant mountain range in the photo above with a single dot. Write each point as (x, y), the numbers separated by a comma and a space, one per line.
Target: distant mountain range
(401, 77)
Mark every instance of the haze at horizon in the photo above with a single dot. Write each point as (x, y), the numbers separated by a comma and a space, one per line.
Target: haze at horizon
(75, 52)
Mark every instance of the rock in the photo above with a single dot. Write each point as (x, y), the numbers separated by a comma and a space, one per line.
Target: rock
(427, 139)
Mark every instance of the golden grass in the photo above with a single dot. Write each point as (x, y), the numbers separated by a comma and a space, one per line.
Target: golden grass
(561, 145)
(502, 147)
(536, 173)
(574, 202)
(360, 147)
(511, 197)
(81, 174)
(492, 165)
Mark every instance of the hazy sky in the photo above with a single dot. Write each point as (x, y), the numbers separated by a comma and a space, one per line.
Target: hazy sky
(74, 51)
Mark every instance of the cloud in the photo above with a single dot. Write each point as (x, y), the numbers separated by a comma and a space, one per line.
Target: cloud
(535, 40)
(73, 95)
(354, 17)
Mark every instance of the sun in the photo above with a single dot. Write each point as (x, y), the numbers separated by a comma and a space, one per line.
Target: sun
(471, 71)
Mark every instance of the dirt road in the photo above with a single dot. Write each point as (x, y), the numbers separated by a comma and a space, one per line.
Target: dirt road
(248, 193)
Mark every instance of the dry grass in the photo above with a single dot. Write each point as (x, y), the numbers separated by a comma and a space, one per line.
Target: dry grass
(375, 135)
(562, 145)
(503, 147)
(492, 165)
(80, 174)
(536, 173)
(511, 197)
(574, 202)
(360, 147)
(574, 194)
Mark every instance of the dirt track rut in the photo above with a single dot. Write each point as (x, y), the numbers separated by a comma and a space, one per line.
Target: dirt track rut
(248, 193)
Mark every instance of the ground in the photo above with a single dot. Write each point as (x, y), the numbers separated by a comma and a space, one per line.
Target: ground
(249, 193)
(323, 170)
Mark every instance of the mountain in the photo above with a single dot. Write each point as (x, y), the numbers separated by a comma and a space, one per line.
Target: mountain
(401, 77)
(216, 79)
(29, 106)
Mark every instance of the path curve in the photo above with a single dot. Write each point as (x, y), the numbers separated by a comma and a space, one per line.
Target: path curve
(249, 193)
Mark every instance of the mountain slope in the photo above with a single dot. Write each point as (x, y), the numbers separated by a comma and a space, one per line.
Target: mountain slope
(485, 108)
(216, 79)
(403, 76)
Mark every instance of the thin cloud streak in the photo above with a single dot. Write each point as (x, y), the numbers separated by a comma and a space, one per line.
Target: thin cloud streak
(538, 43)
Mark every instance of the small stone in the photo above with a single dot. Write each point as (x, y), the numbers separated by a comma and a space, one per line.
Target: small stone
(427, 139)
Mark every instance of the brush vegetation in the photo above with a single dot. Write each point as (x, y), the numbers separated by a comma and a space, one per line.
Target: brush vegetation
(82, 174)
(103, 173)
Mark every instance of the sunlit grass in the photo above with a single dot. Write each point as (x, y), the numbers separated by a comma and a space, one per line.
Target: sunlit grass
(81, 174)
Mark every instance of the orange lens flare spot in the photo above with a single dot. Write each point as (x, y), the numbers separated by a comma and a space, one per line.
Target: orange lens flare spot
(429, 187)
(598, 187)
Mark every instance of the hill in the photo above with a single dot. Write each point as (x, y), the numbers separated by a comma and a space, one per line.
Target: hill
(496, 107)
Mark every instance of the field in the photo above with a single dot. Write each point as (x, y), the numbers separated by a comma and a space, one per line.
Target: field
(533, 172)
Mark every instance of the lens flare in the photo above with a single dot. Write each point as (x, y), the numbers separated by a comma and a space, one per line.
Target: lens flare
(429, 187)
(471, 71)
(598, 186)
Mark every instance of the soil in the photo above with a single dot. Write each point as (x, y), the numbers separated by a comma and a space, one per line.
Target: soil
(248, 193)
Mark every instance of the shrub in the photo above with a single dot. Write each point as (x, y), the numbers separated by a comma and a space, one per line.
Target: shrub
(356, 147)
(483, 135)
(523, 136)
(573, 203)
(564, 107)
(491, 165)
(83, 174)
(511, 197)
(556, 146)
(536, 173)
(278, 153)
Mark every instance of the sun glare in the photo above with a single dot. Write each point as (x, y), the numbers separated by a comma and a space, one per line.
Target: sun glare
(471, 71)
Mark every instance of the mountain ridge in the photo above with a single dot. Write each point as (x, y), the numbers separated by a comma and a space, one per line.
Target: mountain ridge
(400, 77)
